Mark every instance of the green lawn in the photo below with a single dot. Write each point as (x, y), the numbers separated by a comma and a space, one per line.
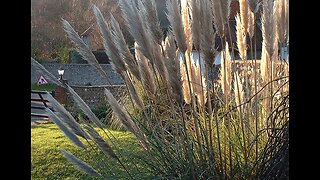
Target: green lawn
(45, 87)
(49, 163)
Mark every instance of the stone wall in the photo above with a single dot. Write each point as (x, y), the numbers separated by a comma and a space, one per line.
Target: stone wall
(94, 95)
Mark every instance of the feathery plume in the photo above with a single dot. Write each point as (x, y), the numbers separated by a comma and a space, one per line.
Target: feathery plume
(47, 74)
(281, 20)
(68, 119)
(225, 75)
(207, 37)
(185, 12)
(185, 84)
(244, 14)
(218, 21)
(173, 67)
(254, 5)
(153, 20)
(241, 38)
(84, 107)
(251, 24)
(264, 65)
(103, 145)
(64, 129)
(221, 12)
(156, 57)
(200, 91)
(137, 27)
(82, 48)
(123, 49)
(108, 43)
(195, 23)
(188, 62)
(225, 10)
(175, 19)
(269, 49)
(269, 34)
(170, 47)
(159, 60)
(80, 164)
(238, 90)
(133, 93)
(125, 119)
(193, 77)
(287, 19)
(147, 78)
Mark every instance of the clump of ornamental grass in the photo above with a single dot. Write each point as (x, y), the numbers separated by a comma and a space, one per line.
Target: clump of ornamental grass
(189, 125)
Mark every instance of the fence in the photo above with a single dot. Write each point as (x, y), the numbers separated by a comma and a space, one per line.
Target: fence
(39, 103)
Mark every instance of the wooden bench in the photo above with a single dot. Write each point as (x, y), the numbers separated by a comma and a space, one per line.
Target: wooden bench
(39, 102)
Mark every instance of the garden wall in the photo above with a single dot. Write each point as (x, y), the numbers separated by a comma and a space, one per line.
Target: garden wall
(80, 74)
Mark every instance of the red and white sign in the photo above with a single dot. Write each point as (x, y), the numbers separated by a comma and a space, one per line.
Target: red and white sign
(42, 81)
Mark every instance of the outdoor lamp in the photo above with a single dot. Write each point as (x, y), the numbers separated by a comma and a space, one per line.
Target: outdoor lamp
(60, 72)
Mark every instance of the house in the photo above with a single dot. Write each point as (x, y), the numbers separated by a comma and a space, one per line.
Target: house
(89, 36)
(86, 36)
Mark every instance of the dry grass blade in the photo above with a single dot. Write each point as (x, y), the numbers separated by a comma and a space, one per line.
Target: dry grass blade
(64, 129)
(103, 145)
(84, 107)
(43, 70)
(175, 19)
(147, 77)
(82, 48)
(68, 119)
(125, 119)
(80, 164)
(137, 27)
(124, 51)
(108, 43)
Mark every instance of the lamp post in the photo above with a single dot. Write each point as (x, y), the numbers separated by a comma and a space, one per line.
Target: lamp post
(60, 72)
(60, 92)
